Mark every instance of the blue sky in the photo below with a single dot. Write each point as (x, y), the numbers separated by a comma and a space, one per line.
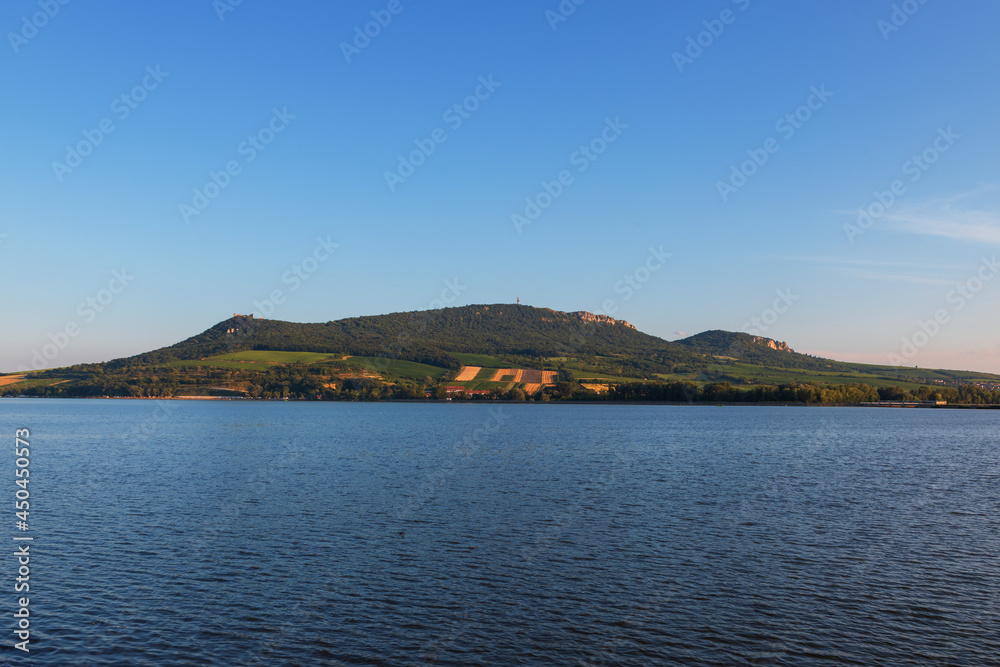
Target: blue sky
(250, 143)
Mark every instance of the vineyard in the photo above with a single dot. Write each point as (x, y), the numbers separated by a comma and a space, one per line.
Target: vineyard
(479, 379)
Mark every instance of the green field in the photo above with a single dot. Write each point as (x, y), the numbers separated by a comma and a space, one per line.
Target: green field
(403, 369)
(477, 384)
(260, 360)
(257, 359)
(586, 376)
(488, 385)
(744, 374)
(220, 363)
(737, 373)
(39, 382)
(278, 357)
(581, 372)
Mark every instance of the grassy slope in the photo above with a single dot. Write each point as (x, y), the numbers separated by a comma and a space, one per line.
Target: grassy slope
(260, 360)
(278, 357)
(399, 368)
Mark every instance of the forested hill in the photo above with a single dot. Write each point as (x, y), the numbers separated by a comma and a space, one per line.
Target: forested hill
(563, 354)
(758, 351)
(430, 337)
(521, 334)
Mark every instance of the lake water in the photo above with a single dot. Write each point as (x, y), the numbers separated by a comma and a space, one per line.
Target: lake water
(258, 533)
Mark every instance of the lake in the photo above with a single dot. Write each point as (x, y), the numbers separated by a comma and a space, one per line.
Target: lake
(263, 533)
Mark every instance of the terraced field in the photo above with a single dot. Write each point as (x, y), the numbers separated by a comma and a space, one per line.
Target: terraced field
(10, 379)
(508, 375)
(473, 378)
(531, 376)
(468, 373)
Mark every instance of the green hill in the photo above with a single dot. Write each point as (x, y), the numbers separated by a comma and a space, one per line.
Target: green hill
(742, 357)
(754, 350)
(499, 350)
(433, 337)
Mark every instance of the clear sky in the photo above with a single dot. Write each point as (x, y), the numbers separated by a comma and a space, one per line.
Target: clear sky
(167, 163)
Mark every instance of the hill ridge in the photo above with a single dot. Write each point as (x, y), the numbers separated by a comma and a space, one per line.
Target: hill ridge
(496, 348)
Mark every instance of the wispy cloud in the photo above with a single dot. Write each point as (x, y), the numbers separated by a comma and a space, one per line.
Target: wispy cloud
(951, 218)
(895, 277)
(844, 261)
(922, 273)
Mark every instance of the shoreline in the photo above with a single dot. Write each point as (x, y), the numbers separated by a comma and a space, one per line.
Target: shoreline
(705, 404)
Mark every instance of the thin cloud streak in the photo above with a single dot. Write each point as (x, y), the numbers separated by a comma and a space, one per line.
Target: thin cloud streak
(943, 218)
(866, 262)
(850, 267)
(896, 278)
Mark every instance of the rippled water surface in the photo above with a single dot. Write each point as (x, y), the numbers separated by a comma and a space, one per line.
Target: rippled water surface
(251, 533)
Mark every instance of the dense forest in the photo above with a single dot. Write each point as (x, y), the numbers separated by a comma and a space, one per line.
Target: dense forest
(724, 392)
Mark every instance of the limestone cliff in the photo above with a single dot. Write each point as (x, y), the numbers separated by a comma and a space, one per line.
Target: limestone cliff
(604, 319)
(773, 344)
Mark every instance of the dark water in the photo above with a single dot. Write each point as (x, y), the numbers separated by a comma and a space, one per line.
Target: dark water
(196, 533)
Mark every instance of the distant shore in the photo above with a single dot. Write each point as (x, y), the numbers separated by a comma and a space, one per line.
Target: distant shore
(706, 404)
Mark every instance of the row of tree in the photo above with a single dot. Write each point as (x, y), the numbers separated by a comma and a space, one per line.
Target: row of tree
(328, 383)
(809, 393)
